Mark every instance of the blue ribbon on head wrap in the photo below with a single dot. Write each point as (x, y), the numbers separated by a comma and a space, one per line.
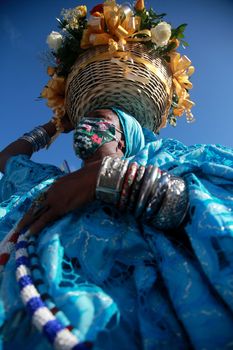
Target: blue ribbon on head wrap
(133, 133)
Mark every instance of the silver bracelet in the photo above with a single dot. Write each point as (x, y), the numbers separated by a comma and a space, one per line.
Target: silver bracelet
(135, 188)
(157, 195)
(151, 176)
(174, 206)
(110, 179)
(38, 138)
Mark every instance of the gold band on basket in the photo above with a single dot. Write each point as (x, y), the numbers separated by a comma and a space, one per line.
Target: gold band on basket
(123, 57)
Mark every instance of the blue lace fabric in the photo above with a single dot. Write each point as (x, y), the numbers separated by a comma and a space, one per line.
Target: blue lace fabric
(122, 283)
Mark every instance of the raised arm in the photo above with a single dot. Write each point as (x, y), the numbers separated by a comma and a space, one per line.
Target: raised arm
(27, 147)
(21, 146)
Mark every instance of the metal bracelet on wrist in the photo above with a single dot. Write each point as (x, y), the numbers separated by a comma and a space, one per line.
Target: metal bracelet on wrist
(151, 176)
(38, 138)
(127, 185)
(135, 188)
(157, 195)
(110, 179)
(174, 205)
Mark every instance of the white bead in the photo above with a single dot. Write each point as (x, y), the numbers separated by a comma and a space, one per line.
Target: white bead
(41, 317)
(29, 292)
(65, 340)
(22, 271)
(20, 253)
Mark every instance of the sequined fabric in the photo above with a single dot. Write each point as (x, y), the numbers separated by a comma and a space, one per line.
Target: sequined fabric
(122, 283)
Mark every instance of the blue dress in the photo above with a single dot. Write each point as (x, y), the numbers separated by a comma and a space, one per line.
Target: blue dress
(121, 283)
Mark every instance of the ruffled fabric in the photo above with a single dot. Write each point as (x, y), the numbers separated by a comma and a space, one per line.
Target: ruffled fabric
(124, 284)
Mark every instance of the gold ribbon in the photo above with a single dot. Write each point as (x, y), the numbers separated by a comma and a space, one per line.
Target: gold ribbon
(121, 25)
(181, 69)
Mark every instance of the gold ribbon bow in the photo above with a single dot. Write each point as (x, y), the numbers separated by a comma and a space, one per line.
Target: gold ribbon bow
(121, 25)
(181, 69)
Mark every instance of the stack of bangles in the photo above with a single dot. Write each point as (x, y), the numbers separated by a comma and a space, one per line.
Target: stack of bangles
(38, 138)
(149, 193)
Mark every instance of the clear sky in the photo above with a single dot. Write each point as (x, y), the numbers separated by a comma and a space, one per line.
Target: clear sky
(25, 24)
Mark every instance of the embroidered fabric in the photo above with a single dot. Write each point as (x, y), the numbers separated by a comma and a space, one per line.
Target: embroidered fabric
(122, 283)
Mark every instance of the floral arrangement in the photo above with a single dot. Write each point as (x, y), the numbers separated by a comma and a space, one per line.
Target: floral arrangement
(115, 25)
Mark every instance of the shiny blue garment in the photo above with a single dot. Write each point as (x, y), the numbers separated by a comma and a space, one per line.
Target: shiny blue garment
(123, 284)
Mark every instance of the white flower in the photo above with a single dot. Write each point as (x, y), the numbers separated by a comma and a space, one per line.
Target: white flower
(67, 14)
(73, 23)
(54, 40)
(161, 34)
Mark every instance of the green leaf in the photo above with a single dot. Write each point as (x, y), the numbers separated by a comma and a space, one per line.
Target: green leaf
(149, 18)
(182, 27)
(184, 43)
(179, 31)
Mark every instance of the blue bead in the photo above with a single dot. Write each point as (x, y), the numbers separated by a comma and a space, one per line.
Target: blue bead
(24, 281)
(23, 260)
(21, 244)
(51, 328)
(34, 304)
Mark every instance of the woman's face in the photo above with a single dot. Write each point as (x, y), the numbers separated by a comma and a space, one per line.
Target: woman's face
(110, 148)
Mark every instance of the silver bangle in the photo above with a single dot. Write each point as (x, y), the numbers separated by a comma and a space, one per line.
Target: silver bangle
(150, 178)
(157, 195)
(110, 179)
(174, 206)
(38, 138)
(135, 188)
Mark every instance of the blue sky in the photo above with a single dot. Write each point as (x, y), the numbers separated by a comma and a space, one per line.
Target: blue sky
(25, 25)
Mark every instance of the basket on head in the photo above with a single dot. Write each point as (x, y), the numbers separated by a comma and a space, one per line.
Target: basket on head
(138, 81)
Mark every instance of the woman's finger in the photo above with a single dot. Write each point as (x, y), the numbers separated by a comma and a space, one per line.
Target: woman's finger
(30, 216)
(26, 220)
(45, 219)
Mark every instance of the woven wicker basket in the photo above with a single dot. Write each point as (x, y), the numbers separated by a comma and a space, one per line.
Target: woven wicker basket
(102, 83)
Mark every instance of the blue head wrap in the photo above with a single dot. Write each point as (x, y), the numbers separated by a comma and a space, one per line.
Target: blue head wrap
(134, 137)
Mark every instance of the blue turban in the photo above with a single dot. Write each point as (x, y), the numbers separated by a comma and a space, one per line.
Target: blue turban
(135, 135)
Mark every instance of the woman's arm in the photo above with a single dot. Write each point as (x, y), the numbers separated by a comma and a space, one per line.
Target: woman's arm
(22, 146)
(67, 193)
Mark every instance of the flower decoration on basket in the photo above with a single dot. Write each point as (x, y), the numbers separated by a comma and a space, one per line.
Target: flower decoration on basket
(116, 26)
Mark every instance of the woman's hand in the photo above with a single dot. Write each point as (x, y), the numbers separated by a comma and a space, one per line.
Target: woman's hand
(66, 124)
(69, 192)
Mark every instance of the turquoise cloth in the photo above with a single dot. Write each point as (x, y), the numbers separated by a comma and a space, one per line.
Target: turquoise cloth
(124, 284)
(133, 133)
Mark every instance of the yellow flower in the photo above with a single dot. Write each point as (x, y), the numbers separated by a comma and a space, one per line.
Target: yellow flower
(81, 10)
(54, 92)
(112, 46)
(51, 71)
(73, 23)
